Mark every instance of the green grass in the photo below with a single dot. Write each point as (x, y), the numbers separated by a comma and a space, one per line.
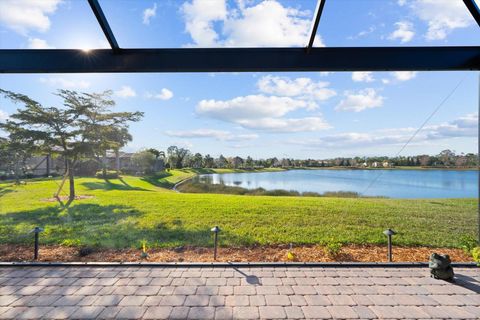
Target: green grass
(124, 212)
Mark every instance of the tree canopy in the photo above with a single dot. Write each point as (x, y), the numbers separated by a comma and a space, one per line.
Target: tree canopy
(83, 127)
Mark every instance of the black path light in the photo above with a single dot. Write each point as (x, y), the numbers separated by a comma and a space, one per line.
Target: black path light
(36, 231)
(215, 231)
(389, 233)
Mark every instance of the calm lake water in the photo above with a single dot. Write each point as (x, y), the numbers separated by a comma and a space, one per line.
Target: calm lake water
(388, 183)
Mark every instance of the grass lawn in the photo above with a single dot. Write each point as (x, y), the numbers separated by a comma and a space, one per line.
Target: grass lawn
(124, 212)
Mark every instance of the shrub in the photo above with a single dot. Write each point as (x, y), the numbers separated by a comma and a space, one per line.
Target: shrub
(333, 248)
(70, 243)
(341, 194)
(468, 243)
(476, 255)
(110, 175)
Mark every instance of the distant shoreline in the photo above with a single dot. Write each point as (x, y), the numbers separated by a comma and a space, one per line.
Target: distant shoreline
(226, 171)
(383, 168)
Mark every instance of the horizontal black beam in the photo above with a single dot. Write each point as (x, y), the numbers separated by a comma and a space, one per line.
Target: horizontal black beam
(240, 60)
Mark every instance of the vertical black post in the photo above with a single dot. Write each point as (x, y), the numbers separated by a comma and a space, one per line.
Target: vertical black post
(478, 161)
(389, 233)
(215, 231)
(215, 246)
(389, 248)
(35, 253)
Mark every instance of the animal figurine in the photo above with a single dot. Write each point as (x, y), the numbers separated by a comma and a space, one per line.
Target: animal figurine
(440, 267)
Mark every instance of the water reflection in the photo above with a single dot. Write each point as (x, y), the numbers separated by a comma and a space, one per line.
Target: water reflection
(389, 183)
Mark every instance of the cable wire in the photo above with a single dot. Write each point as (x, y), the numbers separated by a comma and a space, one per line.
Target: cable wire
(375, 179)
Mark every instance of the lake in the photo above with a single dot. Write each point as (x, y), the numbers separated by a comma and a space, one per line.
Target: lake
(387, 183)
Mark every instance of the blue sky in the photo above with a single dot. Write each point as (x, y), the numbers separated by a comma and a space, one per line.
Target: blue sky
(302, 115)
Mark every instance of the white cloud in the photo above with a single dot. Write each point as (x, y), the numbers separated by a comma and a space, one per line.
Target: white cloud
(263, 113)
(64, 83)
(149, 13)
(211, 133)
(36, 43)
(441, 16)
(199, 17)
(404, 32)
(360, 100)
(3, 116)
(363, 33)
(466, 126)
(299, 87)
(404, 75)
(164, 94)
(362, 76)
(126, 92)
(286, 124)
(459, 128)
(251, 107)
(267, 23)
(23, 16)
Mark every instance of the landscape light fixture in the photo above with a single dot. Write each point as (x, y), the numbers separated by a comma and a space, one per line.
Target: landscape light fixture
(215, 231)
(389, 233)
(36, 231)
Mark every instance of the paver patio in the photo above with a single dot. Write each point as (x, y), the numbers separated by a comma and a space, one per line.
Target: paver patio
(236, 293)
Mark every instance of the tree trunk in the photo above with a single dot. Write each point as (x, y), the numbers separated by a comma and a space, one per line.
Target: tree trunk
(17, 172)
(117, 160)
(47, 169)
(71, 181)
(104, 166)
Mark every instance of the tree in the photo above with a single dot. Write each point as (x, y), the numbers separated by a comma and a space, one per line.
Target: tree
(447, 157)
(103, 129)
(176, 156)
(158, 154)
(221, 162)
(83, 127)
(197, 160)
(249, 162)
(144, 160)
(13, 154)
(208, 161)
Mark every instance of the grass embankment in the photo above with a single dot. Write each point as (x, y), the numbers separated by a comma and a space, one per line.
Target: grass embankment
(124, 212)
(168, 179)
(199, 187)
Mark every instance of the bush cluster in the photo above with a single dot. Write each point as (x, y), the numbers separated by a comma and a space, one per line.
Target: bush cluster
(199, 187)
(110, 174)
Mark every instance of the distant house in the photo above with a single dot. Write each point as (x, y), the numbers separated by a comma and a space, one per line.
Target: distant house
(124, 162)
(44, 165)
(375, 164)
(386, 164)
(120, 161)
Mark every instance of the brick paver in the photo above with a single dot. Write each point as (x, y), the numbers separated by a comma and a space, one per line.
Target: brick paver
(236, 293)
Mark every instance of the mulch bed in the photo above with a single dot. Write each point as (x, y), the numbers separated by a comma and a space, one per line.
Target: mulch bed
(348, 253)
